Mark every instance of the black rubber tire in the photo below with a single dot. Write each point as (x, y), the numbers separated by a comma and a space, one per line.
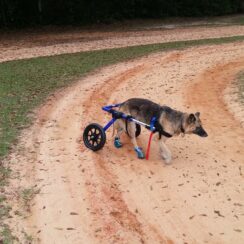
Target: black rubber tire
(94, 137)
(138, 130)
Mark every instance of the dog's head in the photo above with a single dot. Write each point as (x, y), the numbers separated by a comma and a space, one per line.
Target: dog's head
(193, 125)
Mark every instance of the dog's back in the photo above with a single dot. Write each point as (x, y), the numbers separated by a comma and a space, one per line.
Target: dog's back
(141, 109)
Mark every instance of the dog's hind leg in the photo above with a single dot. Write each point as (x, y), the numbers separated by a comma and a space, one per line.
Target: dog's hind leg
(119, 127)
(164, 150)
(131, 129)
(117, 142)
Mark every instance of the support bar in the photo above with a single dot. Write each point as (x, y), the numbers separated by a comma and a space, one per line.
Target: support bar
(117, 115)
(109, 124)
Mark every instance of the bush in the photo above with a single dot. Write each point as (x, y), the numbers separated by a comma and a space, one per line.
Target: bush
(31, 12)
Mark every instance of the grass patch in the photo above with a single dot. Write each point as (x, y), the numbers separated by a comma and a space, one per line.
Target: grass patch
(24, 84)
(28, 238)
(27, 195)
(4, 174)
(240, 81)
(229, 19)
(5, 233)
(239, 20)
(4, 211)
(6, 236)
(2, 198)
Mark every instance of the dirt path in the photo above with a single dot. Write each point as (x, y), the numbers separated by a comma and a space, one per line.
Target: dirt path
(111, 196)
(26, 45)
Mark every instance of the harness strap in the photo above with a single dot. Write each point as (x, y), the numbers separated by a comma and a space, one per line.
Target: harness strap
(158, 128)
(152, 123)
(155, 126)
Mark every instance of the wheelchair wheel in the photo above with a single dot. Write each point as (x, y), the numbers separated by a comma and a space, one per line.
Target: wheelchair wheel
(94, 137)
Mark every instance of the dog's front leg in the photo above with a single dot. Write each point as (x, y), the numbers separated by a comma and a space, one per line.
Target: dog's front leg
(164, 150)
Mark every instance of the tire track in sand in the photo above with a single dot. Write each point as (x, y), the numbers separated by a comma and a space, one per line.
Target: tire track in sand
(118, 216)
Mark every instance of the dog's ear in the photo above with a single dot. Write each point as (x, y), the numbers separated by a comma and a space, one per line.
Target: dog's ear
(197, 114)
(191, 119)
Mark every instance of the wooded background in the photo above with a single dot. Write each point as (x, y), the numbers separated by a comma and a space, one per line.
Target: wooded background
(21, 13)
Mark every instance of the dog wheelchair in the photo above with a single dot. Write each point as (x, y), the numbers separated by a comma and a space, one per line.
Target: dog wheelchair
(94, 135)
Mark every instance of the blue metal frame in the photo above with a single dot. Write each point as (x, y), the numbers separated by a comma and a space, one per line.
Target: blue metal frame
(109, 109)
(109, 124)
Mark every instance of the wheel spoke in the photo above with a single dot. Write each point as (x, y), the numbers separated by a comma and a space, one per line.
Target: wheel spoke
(90, 141)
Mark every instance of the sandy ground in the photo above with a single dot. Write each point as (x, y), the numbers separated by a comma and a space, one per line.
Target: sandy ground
(113, 197)
(31, 44)
(233, 102)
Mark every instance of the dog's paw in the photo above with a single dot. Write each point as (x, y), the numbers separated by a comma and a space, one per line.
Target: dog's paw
(117, 143)
(167, 158)
(139, 152)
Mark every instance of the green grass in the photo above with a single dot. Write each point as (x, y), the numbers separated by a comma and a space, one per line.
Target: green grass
(228, 19)
(4, 174)
(240, 80)
(27, 195)
(6, 236)
(24, 84)
(239, 20)
(4, 211)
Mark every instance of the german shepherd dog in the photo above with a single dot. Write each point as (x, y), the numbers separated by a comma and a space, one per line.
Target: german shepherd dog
(171, 122)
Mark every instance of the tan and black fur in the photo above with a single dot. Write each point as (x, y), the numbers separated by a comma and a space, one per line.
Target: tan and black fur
(172, 121)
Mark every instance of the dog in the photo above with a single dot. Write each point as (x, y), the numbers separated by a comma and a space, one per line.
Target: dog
(168, 123)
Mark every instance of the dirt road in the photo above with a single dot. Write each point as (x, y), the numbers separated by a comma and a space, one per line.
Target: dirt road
(31, 44)
(113, 197)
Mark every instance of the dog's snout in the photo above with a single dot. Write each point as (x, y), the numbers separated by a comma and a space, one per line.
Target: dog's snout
(200, 132)
(205, 134)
